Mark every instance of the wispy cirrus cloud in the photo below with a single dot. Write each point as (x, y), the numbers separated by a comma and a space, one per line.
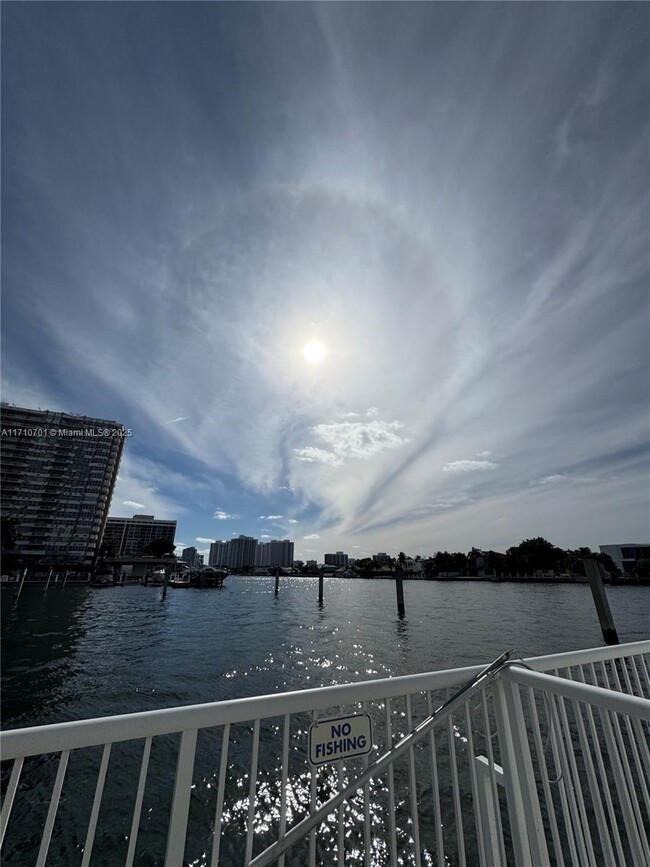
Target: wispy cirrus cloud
(515, 336)
(204, 541)
(469, 466)
(564, 478)
(144, 484)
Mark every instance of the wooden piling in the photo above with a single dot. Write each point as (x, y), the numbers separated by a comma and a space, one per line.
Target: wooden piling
(164, 592)
(399, 589)
(321, 573)
(21, 583)
(594, 571)
(277, 581)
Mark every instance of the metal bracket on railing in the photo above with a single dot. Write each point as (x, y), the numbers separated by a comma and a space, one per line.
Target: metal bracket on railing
(268, 856)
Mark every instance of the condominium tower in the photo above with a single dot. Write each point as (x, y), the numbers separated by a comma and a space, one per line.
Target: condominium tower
(56, 480)
(246, 552)
(129, 537)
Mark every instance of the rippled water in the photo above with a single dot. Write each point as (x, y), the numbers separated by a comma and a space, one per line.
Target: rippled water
(82, 652)
(79, 652)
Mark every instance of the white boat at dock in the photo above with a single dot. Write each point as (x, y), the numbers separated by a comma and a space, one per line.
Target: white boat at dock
(535, 762)
(157, 577)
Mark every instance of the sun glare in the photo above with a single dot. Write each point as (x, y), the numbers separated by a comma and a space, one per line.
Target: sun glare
(314, 351)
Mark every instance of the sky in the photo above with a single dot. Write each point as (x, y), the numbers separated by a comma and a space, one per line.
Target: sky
(449, 202)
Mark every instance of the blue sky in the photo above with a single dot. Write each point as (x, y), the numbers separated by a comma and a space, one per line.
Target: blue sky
(451, 198)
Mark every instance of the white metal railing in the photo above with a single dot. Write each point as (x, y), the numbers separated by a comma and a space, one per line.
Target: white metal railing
(547, 765)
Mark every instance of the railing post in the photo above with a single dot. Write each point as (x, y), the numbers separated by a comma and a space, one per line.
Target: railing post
(181, 800)
(526, 824)
(490, 816)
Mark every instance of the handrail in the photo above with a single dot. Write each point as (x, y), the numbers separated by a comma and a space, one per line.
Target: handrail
(619, 702)
(406, 743)
(592, 654)
(93, 732)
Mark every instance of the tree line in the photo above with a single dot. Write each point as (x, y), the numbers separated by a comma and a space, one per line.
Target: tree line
(530, 557)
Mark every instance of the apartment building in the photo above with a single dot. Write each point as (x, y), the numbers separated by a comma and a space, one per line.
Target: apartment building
(339, 559)
(57, 475)
(190, 556)
(246, 551)
(129, 537)
(274, 553)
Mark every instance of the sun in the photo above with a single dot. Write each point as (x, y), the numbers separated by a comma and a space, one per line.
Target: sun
(314, 351)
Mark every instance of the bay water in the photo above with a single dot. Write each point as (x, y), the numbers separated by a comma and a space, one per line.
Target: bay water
(79, 652)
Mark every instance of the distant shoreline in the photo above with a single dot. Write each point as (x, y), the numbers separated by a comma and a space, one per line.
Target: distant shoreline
(509, 579)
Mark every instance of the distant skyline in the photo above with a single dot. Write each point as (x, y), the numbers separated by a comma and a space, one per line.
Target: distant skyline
(372, 277)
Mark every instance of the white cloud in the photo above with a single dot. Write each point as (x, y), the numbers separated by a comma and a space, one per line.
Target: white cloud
(205, 541)
(372, 411)
(312, 536)
(310, 454)
(347, 440)
(133, 504)
(270, 517)
(293, 521)
(174, 420)
(222, 515)
(469, 466)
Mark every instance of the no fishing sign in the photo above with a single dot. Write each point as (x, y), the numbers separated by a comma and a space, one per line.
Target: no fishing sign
(341, 738)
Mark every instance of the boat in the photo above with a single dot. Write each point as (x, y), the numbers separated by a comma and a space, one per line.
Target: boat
(103, 577)
(180, 579)
(157, 577)
(207, 576)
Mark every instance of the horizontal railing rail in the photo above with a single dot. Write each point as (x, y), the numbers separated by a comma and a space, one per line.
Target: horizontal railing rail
(85, 733)
(618, 702)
